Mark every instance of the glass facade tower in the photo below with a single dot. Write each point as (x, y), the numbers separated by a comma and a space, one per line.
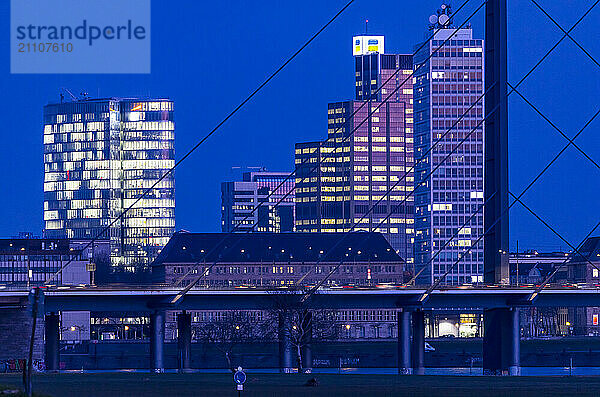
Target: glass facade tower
(100, 156)
(446, 85)
(340, 179)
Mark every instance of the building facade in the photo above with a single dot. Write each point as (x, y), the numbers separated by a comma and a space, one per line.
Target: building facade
(449, 79)
(276, 259)
(584, 268)
(262, 202)
(26, 263)
(100, 157)
(360, 177)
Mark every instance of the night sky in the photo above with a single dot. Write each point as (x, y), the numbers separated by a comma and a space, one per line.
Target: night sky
(207, 56)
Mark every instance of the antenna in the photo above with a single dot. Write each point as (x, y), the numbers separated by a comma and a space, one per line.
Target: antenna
(73, 97)
(442, 19)
(366, 26)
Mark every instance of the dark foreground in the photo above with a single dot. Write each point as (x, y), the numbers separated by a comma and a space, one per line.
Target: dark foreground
(220, 385)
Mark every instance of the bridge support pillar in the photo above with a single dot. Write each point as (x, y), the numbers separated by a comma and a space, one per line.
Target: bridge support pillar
(513, 337)
(404, 365)
(285, 343)
(184, 341)
(157, 338)
(418, 342)
(306, 349)
(52, 337)
(501, 342)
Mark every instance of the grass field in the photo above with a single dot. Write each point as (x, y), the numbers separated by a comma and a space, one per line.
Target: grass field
(263, 385)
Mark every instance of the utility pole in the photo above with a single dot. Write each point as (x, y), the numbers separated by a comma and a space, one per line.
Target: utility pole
(34, 300)
(517, 263)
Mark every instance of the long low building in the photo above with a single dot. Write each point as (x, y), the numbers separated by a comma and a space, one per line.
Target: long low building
(267, 259)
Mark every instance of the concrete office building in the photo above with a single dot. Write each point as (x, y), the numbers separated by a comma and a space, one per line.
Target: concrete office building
(263, 201)
(446, 85)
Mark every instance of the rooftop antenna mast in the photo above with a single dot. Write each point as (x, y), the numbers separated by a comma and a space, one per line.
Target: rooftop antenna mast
(366, 26)
(442, 19)
(74, 98)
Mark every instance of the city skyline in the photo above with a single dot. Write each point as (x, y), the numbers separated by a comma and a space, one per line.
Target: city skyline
(367, 227)
(336, 43)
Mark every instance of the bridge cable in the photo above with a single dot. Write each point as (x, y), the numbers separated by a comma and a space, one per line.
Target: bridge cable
(425, 295)
(553, 230)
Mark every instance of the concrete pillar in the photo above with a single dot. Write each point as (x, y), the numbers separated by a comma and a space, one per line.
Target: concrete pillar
(404, 365)
(184, 341)
(492, 342)
(157, 338)
(52, 338)
(512, 350)
(501, 342)
(285, 344)
(306, 348)
(418, 342)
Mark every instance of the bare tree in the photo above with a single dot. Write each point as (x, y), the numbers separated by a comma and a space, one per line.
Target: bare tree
(542, 321)
(228, 330)
(302, 322)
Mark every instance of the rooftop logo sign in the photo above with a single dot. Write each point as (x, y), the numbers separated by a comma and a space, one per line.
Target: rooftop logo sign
(74, 36)
(367, 45)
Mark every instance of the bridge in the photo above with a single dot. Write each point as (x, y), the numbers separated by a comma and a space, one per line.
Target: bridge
(501, 302)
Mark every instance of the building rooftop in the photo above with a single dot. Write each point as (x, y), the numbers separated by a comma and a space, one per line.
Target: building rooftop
(186, 247)
(590, 251)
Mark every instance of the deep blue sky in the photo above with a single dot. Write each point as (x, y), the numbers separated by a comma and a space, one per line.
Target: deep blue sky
(207, 56)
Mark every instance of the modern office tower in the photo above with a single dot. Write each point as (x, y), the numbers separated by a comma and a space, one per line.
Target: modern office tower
(100, 156)
(247, 206)
(338, 180)
(446, 85)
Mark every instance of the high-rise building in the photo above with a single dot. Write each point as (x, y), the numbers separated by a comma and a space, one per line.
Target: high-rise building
(100, 156)
(338, 180)
(263, 201)
(447, 83)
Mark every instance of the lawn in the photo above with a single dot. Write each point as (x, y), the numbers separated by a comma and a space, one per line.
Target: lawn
(263, 385)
